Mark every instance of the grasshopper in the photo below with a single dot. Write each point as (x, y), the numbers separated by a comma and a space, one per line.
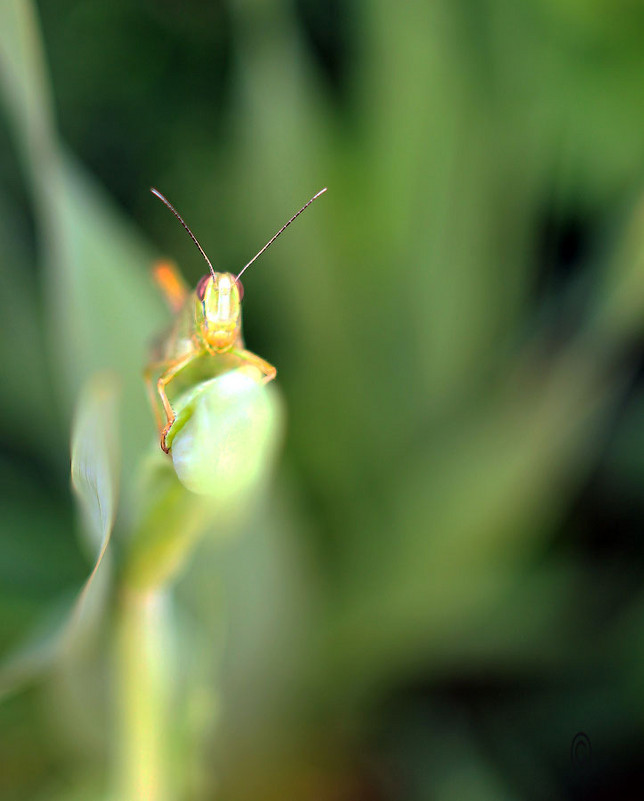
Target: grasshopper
(207, 322)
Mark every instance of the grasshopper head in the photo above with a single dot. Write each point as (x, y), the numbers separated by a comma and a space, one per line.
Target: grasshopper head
(218, 310)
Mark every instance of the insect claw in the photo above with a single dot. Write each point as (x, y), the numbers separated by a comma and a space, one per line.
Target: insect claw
(164, 434)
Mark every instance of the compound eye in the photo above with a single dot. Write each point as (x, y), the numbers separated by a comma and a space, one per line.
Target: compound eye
(240, 287)
(201, 287)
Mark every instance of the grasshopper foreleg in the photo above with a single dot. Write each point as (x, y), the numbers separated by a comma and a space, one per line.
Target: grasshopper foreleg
(169, 370)
(266, 369)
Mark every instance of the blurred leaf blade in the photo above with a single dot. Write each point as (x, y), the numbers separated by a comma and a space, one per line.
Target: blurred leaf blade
(619, 302)
(29, 405)
(103, 305)
(36, 653)
(470, 517)
(95, 481)
(25, 84)
(94, 462)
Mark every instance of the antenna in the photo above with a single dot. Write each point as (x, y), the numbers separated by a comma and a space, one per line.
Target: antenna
(192, 236)
(270, 241)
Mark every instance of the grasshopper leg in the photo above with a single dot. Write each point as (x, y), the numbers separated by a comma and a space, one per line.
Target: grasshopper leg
(171, 369)
(268, 371)
(149, 385)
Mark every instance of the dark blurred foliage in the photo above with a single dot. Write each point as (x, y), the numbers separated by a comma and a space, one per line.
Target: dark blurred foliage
(448, 583)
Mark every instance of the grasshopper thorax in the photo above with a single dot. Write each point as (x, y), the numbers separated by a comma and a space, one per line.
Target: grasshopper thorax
(218, 311)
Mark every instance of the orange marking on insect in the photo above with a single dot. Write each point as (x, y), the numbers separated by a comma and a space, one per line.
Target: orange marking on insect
(172, 285)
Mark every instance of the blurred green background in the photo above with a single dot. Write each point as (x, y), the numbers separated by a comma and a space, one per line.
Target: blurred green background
(444, 584)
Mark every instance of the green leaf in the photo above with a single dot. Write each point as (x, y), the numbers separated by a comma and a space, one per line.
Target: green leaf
(41, 569)
(224, 437)
(619, 313)
(28, 406)
(94, 479)
(94, 463)
(37, 651)
(101, 306)
(223, 445)
(473, 511)
(24, 84)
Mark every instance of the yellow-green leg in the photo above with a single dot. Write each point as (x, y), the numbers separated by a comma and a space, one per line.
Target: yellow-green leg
(170, 370)
(268, 371)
